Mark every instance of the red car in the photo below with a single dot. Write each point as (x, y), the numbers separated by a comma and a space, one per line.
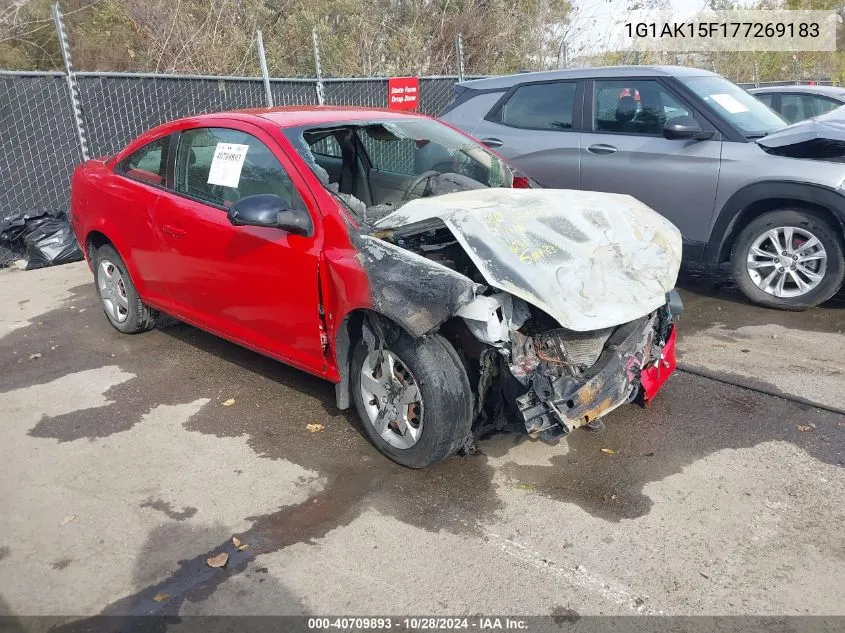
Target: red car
(394, 256)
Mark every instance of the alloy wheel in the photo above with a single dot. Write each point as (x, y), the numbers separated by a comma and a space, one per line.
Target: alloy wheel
(786, 261)
(113, 291)
(392, 399)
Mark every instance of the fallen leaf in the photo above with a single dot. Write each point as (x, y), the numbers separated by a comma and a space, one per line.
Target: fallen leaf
(314, 428)
(68, 519)
(35, 356)
(236, 541)
(229, 402)
(805, 428)
(160, 597)
(82, 309)
(243, 547)
(608, 451)
(219, 560)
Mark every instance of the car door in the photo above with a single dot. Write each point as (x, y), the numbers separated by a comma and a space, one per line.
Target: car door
(625, 152)
(536, 126)
(136, 190)
(254, 285)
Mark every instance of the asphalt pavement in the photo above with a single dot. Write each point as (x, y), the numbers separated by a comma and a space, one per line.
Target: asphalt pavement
(129, 461)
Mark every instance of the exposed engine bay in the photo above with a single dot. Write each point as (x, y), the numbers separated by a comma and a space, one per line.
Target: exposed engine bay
(530, 370)
(549, 374)
(560, 303)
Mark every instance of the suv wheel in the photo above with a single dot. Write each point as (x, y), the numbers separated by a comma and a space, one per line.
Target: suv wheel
(413, 398)
(789, 259)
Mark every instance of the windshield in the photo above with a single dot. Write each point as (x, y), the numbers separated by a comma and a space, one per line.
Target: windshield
(376, 166)
(737, 106)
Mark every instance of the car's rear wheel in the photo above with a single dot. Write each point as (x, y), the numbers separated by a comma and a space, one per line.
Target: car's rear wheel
(789, 259)
(413, 397)
(117, 293)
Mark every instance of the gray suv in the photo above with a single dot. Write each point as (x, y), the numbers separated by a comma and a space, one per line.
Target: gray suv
(739, 184)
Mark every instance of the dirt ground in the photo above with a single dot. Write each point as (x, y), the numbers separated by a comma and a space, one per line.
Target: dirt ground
(125, 467)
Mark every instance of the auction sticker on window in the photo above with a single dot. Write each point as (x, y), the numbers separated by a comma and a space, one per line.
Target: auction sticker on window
(227, 164)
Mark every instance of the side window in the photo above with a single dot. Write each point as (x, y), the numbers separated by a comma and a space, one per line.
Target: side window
(819, 105)
(390, 153)
(327, 146)
(792, 107)
(797, 107)
(634, 107)
(148, 163)
(220, 166)
(546, 106)
(765, 98)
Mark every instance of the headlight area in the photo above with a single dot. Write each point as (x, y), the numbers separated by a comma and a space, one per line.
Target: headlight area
(552, 380)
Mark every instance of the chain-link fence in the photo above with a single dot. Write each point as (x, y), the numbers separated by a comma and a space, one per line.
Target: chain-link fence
(38, 143)
(38, 149)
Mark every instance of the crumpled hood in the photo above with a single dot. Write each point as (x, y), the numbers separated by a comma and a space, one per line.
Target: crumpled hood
(828, 126)
(590, 260)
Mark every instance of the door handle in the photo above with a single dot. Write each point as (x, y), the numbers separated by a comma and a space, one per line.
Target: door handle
(602, 149)
(492, 142)
(172, 231)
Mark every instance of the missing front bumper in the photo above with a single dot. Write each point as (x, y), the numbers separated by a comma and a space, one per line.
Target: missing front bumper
(554, 406)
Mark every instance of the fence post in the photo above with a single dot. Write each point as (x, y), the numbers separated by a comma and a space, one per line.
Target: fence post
(459, 53)
(262, 60)
(70, 78)
(321, 93)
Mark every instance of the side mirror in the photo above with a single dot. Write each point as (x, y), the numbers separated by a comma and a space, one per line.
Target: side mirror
(684, 127)
(270, 210)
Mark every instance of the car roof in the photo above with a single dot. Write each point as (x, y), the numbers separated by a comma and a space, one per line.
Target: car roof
(295, 116)
(603, 72)
(827, 91)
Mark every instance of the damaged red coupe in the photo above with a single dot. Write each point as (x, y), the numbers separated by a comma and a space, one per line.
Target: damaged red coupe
(400, 259)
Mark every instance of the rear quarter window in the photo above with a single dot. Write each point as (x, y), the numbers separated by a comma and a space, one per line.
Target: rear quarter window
(148, 164)
(544, 106)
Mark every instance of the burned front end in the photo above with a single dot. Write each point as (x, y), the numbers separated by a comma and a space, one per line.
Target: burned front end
(553, 379)
(561, 303)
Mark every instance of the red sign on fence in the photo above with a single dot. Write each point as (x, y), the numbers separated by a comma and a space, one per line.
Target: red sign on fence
(403, 93)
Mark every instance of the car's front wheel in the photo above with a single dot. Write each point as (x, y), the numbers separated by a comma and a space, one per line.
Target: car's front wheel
(789, 259)
(413, 397)
(118, 296)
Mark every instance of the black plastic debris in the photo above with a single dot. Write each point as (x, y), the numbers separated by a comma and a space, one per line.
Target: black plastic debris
(8, 256)
(42, 238)
(50, 244)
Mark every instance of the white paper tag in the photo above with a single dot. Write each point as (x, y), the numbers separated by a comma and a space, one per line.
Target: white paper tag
(729, 103)
(227, 164)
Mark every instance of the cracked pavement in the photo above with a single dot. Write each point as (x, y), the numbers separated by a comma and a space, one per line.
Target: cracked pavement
(124, 471)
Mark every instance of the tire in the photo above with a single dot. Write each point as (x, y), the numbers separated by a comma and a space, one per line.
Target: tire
(800, 223)
(120, 301)
(445, 398)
